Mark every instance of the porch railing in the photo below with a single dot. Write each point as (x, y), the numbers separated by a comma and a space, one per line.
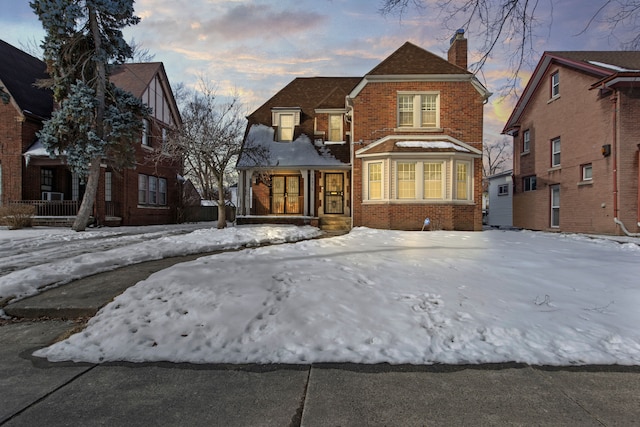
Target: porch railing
(51, 208)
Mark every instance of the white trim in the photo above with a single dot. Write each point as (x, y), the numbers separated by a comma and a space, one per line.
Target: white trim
(471, 149)
(467, 77)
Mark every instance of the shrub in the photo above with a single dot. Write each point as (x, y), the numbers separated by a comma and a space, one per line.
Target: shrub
(17, 216)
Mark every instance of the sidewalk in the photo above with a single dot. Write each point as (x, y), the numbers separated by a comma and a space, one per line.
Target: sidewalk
(37, 392)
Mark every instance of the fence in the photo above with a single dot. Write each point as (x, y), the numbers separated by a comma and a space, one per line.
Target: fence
(51, 208)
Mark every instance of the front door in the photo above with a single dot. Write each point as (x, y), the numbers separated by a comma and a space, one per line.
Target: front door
(285, 194)
(333, 193)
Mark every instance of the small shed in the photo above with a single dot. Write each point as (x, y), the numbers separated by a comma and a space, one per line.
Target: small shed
(500, 199)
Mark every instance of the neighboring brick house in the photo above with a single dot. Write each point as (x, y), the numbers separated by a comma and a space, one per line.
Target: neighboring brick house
(386, 150)
(576, 133)
(147, 194)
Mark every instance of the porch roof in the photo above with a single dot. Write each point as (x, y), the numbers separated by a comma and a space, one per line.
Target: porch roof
(261, 151)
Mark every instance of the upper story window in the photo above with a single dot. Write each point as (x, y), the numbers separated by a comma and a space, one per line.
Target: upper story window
(285, 119)
(335, 127)
(526, 141)
(419, 110)
(555, 152)
(555, 84)
(145, 132)
(587, 172)
(529, 183)
(503, 190)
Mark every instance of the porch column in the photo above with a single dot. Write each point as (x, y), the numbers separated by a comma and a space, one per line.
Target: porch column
(305, 174)
(312, 192)
(244, 192)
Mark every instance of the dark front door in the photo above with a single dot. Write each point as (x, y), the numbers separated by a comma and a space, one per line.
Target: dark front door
(333, 193)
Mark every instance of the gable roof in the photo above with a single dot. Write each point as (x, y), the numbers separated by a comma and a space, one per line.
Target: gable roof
(19, 72)
(417, 144)
(137, 77)
(410, 59)
(600, 64)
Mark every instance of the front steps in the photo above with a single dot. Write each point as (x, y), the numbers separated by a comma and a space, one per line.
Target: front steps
(335, 223)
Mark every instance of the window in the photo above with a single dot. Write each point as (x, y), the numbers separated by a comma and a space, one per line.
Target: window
(587, 172)
(162, 191)
(142, 189)
(285, 119)
(406, 180)
(526, 141)
(529, 183)
(555, 152)
(335, 127)
(46, 179)
(503, 190)
(555, 206)
(375, 181)
(555, 84)
(145, 132)
(433, 180)
(419, 110)
(462, 181)
(107, 187)
(152, 190)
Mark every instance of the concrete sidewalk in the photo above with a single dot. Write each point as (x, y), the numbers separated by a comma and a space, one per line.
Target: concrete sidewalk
(36, 392)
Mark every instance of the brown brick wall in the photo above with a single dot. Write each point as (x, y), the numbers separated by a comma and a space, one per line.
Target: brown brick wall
(583, 120)
(461, 117)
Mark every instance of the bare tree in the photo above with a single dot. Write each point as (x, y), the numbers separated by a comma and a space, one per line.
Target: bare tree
(513, 24)
(496, 157)
(140, 53)
(209, 141)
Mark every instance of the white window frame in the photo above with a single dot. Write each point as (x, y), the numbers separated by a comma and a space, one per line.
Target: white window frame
(555, 206)
(368, 179)
(276, 120)
(526, 141)
(417, 99)
(503, 190)
(555, 84)
(556, 147)
(339, 130)
(443, 179)
(587, 172)
(142, 189)
(469, 180)
(398, 181)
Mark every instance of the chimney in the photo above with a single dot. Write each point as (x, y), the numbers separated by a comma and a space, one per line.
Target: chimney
(457, 54)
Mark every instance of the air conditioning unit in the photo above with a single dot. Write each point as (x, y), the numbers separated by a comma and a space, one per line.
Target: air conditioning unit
(52, 195)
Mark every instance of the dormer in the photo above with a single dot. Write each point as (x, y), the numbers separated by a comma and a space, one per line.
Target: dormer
(285, 119)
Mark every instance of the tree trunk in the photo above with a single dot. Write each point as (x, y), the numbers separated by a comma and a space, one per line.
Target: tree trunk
(86, 207)
(222, 208)
(94, 173)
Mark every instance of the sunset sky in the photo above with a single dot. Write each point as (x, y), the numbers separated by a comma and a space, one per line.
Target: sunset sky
(256, 47)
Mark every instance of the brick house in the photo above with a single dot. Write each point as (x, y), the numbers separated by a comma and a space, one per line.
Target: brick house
(148, 194)
(386, 150)
(576, 140)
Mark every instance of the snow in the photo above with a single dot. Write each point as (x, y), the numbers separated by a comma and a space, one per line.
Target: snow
(611, 67)
(33, 259)
(300, 152)
(374, 296)
(430, 144)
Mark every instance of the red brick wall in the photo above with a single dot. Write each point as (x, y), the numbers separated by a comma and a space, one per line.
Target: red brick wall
(461, 117)
(583, 121)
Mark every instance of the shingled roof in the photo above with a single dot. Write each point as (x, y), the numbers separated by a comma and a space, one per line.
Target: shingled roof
(629, 60)
(411, 59)
(134, 78)
(19, 72)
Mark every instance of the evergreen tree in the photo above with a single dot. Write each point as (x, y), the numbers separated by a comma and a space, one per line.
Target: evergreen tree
(96, 121)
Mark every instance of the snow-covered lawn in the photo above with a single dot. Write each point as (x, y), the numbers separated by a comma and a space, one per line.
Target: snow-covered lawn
(382, 296)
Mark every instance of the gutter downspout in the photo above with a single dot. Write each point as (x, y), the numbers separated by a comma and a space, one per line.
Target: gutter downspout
(614, 144)
(349, 104)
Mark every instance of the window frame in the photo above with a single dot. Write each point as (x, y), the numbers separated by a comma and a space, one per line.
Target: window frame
(555, 84)
(526, 141)
(443, 179)
(379, 163)
(146, 129)
(556, 152)
(555, 208)
(340, 130)
(415, 107)
(503, 190)
(150, 191)
(413, 191)
(529, 183)
(584, 168)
